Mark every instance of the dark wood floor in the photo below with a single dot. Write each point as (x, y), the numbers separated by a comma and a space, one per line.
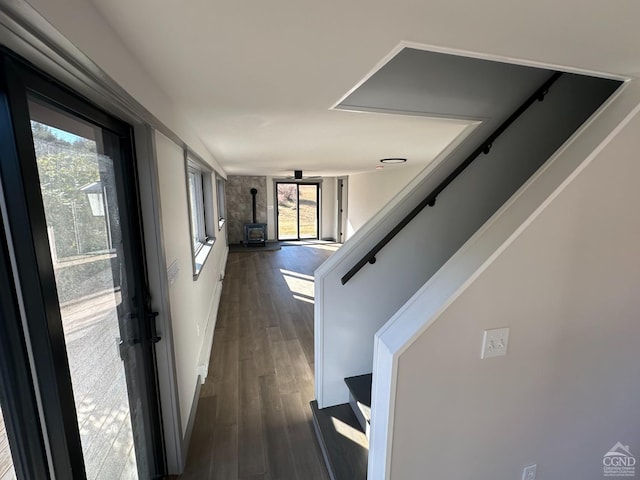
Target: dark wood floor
(253, 419)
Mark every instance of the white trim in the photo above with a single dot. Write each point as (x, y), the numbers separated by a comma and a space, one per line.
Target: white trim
(457, 119)
(385, 372)
(512, 60)
(318, 339)
(360, 242)
(386, 59)
(207, 342)
(186, 441)
(424, 308)
(145, 141)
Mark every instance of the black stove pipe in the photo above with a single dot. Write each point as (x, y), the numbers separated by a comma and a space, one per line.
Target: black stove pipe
(254, 192)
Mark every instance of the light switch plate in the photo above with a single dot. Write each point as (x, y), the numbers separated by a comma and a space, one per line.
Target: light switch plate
(529, 473)
(172, 272)
(495, 342)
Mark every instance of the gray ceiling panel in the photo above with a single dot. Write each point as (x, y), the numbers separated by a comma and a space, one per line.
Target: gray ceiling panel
(427, 83)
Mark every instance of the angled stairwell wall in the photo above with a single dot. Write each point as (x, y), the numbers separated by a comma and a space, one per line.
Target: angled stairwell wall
(347, 316)
(559, 264)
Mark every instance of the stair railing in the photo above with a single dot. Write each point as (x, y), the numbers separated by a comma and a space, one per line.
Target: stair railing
(430, 200)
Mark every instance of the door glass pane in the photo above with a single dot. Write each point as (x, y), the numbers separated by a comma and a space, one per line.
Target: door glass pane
(287, 211)
(75, 166)
(308, 206)
(6, 463)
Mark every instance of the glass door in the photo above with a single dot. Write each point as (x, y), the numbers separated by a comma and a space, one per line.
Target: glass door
(307, 211)
(7, 472)
(89, 320)
(78, 188)
(22, 450)
(297, 210)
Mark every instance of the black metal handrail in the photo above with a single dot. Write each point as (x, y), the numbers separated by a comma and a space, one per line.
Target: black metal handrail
(430, 200)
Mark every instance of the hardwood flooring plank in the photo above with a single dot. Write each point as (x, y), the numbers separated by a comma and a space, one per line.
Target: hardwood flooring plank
(263, 355)
(306, 460)
(302, 371)
(345, 443)
(289, 325)
(251, 457)
(208, 389)
(272, 318)
(224, 463)
(227, 389)
(279, 459)
(201, 446)
(253, 419)
(284, 370)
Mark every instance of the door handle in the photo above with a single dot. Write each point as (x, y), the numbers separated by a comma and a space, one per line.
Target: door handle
(152, 316)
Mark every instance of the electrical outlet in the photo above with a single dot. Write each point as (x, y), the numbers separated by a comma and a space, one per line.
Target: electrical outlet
(495, 342)
(529, 473)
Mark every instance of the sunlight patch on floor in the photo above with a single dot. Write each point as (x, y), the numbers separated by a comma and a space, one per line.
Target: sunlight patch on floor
(332, 247)
(300, 284)
(305, 299)
(296, 274)
(349, 432)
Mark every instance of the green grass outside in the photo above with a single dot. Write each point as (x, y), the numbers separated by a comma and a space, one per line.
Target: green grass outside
(287, 215)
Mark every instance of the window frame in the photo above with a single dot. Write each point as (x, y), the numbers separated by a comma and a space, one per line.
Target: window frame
(202, 235)
(221, 201)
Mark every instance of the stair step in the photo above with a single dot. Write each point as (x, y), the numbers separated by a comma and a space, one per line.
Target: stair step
(360, 399)
(344, 445)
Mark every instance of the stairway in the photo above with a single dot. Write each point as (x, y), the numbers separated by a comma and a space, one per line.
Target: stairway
(343, 431)
(521, 159)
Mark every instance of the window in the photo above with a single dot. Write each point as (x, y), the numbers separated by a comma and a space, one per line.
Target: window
(221, 203)
(200, 194)
(196, 205)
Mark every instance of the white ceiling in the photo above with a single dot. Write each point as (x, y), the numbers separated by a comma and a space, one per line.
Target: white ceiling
(258, 79)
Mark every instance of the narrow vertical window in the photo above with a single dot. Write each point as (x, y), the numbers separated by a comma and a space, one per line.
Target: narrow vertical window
(221, 201)
(196, 205)
(201, 212)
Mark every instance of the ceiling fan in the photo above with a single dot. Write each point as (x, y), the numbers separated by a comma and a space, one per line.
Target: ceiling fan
(297, 175)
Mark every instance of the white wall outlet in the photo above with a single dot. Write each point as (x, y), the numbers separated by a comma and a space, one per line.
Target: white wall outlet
(529, 473)
(494, 343)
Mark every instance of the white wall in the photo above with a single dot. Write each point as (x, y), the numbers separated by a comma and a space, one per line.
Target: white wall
(347, 316)
(329, 200)
(80, 23)
(566, 283)
(193, 303)
(370, 191)
(342, 185)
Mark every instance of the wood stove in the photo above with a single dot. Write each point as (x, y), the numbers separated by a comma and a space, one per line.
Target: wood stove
(255, 234)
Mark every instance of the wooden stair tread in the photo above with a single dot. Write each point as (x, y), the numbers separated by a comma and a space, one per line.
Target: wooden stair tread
(344, 445)
(360, 388)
